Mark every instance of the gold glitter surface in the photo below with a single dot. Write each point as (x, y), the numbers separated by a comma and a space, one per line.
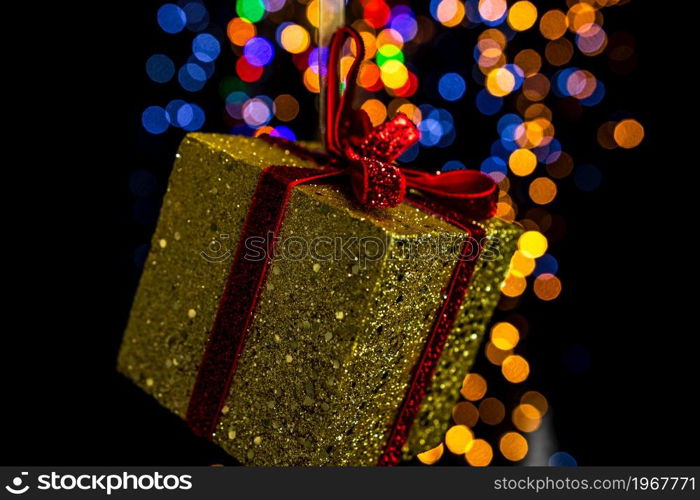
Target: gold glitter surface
(483, 294)
(208, 195)
(336, 335)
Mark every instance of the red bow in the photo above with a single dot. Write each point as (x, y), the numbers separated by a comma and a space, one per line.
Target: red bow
(367, 153)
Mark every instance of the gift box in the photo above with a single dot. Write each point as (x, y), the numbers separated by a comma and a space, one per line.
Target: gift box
(343, 359)
(308, 307)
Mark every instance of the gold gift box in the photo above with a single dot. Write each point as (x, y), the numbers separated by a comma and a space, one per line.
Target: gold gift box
(338, 329)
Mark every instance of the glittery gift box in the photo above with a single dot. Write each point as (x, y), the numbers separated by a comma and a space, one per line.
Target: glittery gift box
(334, 340)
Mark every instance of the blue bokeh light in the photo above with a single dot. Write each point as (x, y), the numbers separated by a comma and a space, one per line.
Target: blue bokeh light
(160, 68)
(206, 47)
(155, 120)
(197, 16)
(172, 109)
(487, 103)
(171, 18)
(562, 459)
(546, 264)
(452, 86)
(258, 51)
(596, 97)
(453, 165)
(191, 116)
(284, 132)
(495, 167)
(192, 77)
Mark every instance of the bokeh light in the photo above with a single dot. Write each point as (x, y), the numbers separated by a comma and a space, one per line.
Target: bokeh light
(513, 446)
(451, 86)
(491, 411)
(155, 120)
(473, 387)
(171, 18)
(459, 439)
(526, 418)
(504, 335)
(431, 456)
(465, 413)
(479, 454)
(547, 286)
(522, 15)
(160, 68)
(515, 369)
(629, 133)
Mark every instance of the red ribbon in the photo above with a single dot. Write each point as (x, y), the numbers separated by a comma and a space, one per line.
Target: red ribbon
(366, 154)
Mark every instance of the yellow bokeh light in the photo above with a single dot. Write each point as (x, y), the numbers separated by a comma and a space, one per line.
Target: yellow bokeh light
(313, 13)
(532, 244)
(412, 111)
(513, 285)
(529, 61)
(628, 134)
(465, 413)
(376, 111)
(473, 387)
(495, 35)
(520, 265)
(450, 12)
(480, 454)
(515, 369)
(580, 15)
(522, 15)
(492, 411)
(553, 24)
(547, 287)
(542, 190)
(311, 80)
(394, 74)
(459, 439)
(431, 456)
(526, 418)
(537, 110)
(505, 211)
(496, 355)
(522, 162)
(559, 52)
(513, 446)
(500, 82)
(370, 42)
(294, 39)
(537, 400)
(504, 335)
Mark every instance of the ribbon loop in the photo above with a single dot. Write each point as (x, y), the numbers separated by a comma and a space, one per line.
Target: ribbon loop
(368, 153)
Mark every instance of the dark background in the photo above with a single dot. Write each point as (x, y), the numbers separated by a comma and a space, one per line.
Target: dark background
(626, 263)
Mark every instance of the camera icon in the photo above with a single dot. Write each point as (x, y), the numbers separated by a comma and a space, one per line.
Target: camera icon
(16, 487)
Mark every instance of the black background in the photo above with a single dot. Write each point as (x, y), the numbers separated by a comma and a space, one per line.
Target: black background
(627, 262)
